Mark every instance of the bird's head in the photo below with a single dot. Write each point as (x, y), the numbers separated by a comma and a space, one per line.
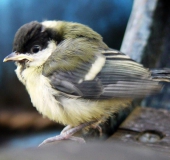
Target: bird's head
(34, 42)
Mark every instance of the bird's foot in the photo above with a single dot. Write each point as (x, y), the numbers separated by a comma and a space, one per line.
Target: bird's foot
(66, 134)
(62, 137)
(97, 126)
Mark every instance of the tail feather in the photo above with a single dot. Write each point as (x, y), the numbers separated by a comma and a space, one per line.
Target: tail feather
(161, 74)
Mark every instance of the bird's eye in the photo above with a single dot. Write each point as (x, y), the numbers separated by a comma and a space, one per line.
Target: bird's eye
(35, 49)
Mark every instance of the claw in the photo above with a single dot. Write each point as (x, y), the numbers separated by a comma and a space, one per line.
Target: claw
(61, 137)
(66, 134)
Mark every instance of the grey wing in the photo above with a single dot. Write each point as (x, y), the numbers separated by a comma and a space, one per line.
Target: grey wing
(118, 77)
(123, 77)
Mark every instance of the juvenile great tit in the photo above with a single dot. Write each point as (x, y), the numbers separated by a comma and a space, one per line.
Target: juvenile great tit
(73, 77)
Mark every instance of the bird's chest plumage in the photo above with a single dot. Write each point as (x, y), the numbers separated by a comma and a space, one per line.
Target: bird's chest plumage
(41, 93)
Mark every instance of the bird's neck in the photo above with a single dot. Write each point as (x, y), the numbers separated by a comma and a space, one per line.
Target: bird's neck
(27, 74)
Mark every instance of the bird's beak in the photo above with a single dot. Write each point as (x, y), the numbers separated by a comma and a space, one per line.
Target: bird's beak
(17, 57)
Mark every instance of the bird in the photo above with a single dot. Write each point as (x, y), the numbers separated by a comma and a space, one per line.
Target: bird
(74, 78)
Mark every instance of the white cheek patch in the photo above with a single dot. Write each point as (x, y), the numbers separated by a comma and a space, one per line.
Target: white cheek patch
(96, 67)
(42, 56)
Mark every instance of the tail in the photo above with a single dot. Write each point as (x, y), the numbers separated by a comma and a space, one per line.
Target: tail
(162, 75)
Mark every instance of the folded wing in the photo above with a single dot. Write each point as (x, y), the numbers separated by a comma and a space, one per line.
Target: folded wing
(100, 74)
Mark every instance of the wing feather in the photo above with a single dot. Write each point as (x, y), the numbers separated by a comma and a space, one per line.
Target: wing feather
(119, 76)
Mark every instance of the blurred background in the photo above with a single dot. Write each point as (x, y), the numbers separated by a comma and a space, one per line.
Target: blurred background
(20, 124)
